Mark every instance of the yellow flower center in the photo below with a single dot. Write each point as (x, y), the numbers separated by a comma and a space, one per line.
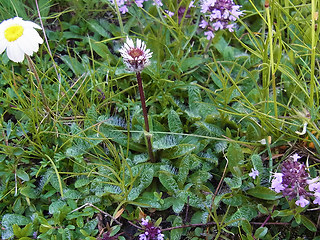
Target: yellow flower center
(13, 33)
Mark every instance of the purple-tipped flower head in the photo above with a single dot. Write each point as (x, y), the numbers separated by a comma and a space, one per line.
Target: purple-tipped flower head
(293, 181)
(151, 232)
(219, 14)
(136, 57)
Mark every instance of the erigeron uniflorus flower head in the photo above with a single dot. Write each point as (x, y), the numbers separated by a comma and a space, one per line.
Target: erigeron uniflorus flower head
(19, 37)
(135, 56)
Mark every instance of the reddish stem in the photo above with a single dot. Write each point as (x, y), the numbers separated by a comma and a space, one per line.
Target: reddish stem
(145, 116)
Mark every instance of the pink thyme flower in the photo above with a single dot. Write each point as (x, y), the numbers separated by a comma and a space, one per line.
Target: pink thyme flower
(276, 183)
(302, 202)
(218, 14)
(254, 173)
(136, 57)
(317, 200)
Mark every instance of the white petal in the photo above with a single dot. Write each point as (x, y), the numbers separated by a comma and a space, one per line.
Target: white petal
(3, 44)
(31, 24)
(33, 35)
(26, 46)
(15, 53)
(130, 43)
(138, 43)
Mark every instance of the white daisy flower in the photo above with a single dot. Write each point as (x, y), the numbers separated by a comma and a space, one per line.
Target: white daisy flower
(135, 57)
(19, 37)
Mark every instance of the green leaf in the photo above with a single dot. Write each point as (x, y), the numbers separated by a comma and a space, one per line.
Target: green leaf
(253, 132)
(183, 170)
(246, 226)
(308, 223)
(8, 220)
(165, 142)
(191, 62)
(29, 192)
(97, 28)
(233, 183)
(178, 205)
(168, 182)
(263, 193)
(261, 232)
(176, 234)
(73, 64)
(257, 163)
(23, 175)
(102, 50)
(194, 98)
(245, 212)
(315, 141)
(235, 156)
(174, 122)
(56, 206)
(236, 200)
(178, 151)
(82, 182)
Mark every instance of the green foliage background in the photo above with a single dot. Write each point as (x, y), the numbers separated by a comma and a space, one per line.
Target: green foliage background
(210, 105)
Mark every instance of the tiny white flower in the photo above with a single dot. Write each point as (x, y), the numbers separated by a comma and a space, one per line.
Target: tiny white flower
(135, 57)
(19, 37)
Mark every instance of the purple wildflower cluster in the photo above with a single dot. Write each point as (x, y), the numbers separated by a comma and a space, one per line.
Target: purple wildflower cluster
(151, 232)
(219, 14)
(293, 181)
(124, 4)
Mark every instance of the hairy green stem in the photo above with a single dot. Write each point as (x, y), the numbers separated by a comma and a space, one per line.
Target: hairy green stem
(145, 116)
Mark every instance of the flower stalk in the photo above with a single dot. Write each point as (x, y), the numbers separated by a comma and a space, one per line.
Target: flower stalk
(145, 116)
(137, 57)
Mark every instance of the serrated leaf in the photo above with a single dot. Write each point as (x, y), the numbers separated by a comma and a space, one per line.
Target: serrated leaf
(174, 122)
(263, 193)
